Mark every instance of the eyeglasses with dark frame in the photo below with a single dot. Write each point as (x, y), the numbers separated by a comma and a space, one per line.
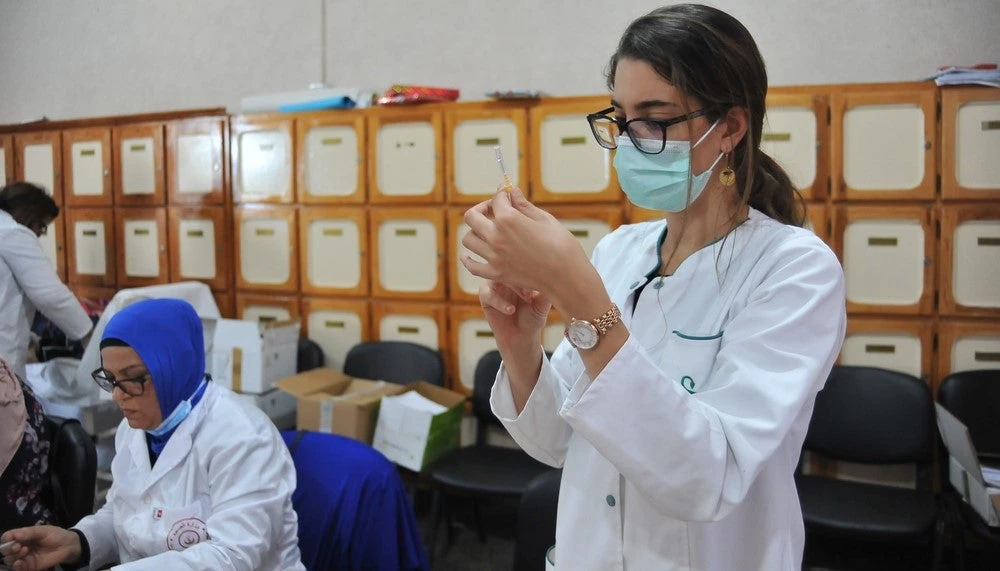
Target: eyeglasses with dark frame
(648, 135)
(132, 386)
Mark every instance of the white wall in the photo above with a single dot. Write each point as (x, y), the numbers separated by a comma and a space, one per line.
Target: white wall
(79, 58)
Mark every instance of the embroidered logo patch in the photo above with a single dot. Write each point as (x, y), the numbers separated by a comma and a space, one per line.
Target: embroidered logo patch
(688, 384)
(185, 533)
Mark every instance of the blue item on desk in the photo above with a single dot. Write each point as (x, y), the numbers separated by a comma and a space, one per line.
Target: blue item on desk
(352, 507)
(318, 105)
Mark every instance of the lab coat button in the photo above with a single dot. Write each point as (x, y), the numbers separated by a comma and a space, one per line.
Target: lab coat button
(148, 500)
(611, 500)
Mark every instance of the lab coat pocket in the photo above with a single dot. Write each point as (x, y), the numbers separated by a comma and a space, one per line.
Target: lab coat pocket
(184, 527)
(690, 359)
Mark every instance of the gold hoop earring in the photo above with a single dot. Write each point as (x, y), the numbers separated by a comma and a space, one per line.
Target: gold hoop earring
(727, 177)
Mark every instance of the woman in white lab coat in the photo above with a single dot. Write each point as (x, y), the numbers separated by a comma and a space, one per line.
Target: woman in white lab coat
(678, 404)
(27, 278)
(201, 480)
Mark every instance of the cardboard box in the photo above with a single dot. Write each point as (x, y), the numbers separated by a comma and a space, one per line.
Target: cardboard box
(985, 500)
(415, 438)
(278, 405)
(329, 401)
(249, 356)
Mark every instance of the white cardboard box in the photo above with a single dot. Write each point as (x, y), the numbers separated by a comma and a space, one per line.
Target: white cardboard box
(249, 356)
(984, 499)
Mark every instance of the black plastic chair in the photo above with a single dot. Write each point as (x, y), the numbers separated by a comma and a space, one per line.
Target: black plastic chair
(399, 362)
(309, 356)
(480, 470)
(872, 416)
(73, 470)
(974, 398)
(536, 522)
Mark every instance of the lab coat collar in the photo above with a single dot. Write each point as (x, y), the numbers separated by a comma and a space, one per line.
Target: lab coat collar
(177, 449)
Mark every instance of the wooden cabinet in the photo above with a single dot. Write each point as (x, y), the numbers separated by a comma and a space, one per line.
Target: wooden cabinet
(331, 161)
(966, 345)
(266, 308)
(472, 135)
(336, 325)
(883, 143)
(334, 250)
(142, 246)
(408, 253)
(969, 278)
(588, 224)
(970, 143)
(567, 163)
(897, 344)
(90, 239)
(796, 136)
(266, 248)
(196, 161)
(471, 338)
(38, 160)
(888, 255)
(138, 165)
(87, 156)
(262, 154)
(415, 322)
(407, 157)
(6, 160)
(200, 245)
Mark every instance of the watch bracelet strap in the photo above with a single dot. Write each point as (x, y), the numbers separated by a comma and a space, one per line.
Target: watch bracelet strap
(608, 319)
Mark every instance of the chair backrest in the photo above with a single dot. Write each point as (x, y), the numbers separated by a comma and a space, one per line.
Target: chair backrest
(536, 522)
(73, 470)
(486, 373)
(395, 362)
(873, 416)
(974, 398)
(310, 355)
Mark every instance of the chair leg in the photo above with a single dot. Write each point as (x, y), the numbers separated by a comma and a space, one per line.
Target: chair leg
(449, 521)
(477, 516)
(436, 502)
(937, 542)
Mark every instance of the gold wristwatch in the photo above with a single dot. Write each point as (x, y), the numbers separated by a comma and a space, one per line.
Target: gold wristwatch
(585, 335)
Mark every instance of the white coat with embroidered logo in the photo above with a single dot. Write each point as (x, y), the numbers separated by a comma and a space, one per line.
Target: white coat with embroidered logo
(194, 516)
(681, 453)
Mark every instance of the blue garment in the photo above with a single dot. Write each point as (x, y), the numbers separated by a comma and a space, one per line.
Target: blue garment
(353, 510)
(167, 336)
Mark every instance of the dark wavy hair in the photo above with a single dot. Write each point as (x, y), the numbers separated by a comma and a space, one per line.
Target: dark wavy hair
(28, 204)
(711, 57)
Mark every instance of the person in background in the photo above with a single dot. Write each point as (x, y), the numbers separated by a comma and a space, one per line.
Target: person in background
(24, 455)
(27, 279)
(201, 479)
(695, 345)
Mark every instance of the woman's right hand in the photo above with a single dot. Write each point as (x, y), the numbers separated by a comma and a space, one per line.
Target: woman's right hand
(40, 547)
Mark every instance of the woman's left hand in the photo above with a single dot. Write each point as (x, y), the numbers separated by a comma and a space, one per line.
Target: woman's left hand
(523, 246)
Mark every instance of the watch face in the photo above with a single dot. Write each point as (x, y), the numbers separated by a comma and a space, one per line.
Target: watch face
(582, 335)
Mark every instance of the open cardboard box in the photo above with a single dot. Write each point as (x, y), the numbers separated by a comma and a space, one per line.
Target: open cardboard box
(415, 438)
(330, 401)
(249, 356)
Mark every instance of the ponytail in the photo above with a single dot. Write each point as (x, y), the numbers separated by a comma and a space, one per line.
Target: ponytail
(773, 192)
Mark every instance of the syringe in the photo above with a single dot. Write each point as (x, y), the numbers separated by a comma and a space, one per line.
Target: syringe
(507, 185)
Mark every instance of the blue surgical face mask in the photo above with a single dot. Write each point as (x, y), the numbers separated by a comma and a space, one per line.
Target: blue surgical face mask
(179, 414)
(660, 181)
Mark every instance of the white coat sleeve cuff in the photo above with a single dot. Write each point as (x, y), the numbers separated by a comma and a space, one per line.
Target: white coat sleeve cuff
(538, 429)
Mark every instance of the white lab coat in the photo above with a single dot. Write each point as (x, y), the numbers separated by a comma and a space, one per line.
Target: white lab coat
(218, 497)
(28, 281)
(681, 453)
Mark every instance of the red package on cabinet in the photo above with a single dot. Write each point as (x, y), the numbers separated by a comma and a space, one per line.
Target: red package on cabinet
(402, 94)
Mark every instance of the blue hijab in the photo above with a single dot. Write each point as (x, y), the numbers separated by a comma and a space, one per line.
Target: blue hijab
(167, 336)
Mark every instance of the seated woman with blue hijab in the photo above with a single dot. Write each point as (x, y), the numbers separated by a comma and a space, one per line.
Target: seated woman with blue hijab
(201, 480)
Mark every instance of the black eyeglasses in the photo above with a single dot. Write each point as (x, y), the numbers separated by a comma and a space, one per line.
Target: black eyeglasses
(648, 135)
(133, 386)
